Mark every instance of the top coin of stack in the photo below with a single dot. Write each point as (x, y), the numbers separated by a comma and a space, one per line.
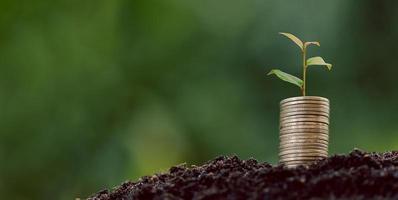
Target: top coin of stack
(304, 130)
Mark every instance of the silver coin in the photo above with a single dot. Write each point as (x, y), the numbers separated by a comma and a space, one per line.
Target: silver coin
(292, 137)
(295, 164)
(302, 154)
(283, 135)
(298, 158)
(295, 129)
(297, 104)
(298, 132)
(300, 162)
(301, 159)
(303, 151)
(303, 98)
(316, 120)
(310, 102)
(293, 152)
(299, 141)
(289, 132)
(308, 124)
(293, 161)
(306, 160)
(305, 106)
(298, 147)
(298, 129)
(300, 103)
(295, 125)
(303, 142)
(310, 146)
(289, 111)
(315, 101)
(302, 135)
(303, 116)
(297, 120)
(310, 134)
(303, 145)
(304, 130)
(292, 166)
(304, 112)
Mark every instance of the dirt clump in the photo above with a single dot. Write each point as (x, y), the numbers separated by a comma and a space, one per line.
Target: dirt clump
(358, 175)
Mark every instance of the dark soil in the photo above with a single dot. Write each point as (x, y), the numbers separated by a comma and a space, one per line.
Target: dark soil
(358, 175)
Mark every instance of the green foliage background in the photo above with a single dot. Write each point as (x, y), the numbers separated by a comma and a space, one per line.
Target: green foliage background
(96, 92)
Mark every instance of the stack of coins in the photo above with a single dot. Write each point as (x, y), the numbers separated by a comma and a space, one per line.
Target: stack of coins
(304, 130)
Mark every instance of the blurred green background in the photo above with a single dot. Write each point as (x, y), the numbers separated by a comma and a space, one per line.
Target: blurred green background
(93, 93)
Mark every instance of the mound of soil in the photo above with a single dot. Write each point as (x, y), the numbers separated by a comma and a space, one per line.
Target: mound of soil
(358, 175)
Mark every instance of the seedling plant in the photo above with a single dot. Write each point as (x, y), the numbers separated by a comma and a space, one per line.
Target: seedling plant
(313, 61)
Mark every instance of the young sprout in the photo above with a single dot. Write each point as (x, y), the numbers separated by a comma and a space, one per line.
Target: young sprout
(302, 83)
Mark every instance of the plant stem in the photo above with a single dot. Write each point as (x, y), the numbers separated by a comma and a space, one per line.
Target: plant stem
(304, 70)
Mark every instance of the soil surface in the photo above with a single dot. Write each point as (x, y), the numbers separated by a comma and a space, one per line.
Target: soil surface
(358, 175)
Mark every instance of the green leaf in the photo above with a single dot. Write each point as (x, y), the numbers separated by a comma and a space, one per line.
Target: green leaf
(294, 39)
(287, 77)
(312, 43)
(318, 61)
